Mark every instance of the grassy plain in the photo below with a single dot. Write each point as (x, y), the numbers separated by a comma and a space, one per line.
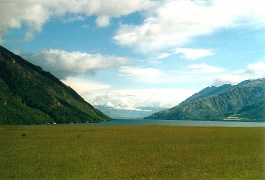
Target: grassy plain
(131, 152)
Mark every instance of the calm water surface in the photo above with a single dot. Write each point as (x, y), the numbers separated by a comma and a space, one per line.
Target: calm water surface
(139, 122)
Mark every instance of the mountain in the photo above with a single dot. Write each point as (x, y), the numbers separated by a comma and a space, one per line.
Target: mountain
(244, 101)
(138, 113)
(29, 95)
(207, 92)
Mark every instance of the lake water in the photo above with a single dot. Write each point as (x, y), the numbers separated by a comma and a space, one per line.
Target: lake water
(139, 122)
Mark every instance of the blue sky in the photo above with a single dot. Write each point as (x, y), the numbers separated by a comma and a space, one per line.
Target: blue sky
(137, 53)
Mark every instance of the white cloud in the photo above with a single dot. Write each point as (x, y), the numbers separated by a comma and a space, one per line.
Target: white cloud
(157, 76)
(102, 94)
(127, 99)
(147, 75)
(255, 70)
(64, 64)
(83, 86)
(227, 79)
(34, 14)
(205, 68)
(74, 17)
(116, 8)
(193, 54)
(102, 21)
(188, 53)
(252, 71)
(135, 98)
(176, 22)
(13, 14)
(164, 55)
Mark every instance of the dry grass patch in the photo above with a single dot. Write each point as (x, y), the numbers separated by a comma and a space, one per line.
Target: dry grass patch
(132, 152)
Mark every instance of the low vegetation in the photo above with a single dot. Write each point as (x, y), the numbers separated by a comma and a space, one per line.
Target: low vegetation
(131, 152)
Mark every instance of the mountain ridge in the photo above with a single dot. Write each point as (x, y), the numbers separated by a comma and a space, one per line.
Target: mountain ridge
(206, 92)
(30, 95)
(236, 102)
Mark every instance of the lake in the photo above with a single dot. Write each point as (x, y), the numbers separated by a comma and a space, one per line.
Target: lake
(140, 122)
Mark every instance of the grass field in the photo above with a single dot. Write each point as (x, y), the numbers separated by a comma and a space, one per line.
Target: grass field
(132, 152)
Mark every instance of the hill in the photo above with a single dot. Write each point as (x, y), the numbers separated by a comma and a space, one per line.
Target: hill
(244, 101)
(29, 95)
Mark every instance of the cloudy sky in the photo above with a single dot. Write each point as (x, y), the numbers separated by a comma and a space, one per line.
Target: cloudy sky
(135, 53)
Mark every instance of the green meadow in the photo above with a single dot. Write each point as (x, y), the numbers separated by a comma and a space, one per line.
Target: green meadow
(131, 152)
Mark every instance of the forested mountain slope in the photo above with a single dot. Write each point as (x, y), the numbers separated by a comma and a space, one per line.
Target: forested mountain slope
(29, 95)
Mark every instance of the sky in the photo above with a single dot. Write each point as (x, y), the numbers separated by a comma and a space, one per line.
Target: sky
(138, 53)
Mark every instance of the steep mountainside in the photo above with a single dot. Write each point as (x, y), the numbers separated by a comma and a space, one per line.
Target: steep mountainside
(206, 92)
(29, 95)
(244, 101)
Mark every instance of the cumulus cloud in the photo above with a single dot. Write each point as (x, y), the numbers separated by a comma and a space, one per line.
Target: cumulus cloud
(64, 64)
(252, 71)
(34, 14)
(176, 22)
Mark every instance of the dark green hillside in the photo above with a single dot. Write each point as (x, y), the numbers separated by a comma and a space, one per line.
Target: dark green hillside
(253, 111)
(244, 101)
(30, 95)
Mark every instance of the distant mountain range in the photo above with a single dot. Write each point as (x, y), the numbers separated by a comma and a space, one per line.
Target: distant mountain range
(138, 113)
(244, 101)
(29, 95)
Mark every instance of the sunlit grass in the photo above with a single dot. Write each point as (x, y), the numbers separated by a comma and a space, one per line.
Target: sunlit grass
(133, 152)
